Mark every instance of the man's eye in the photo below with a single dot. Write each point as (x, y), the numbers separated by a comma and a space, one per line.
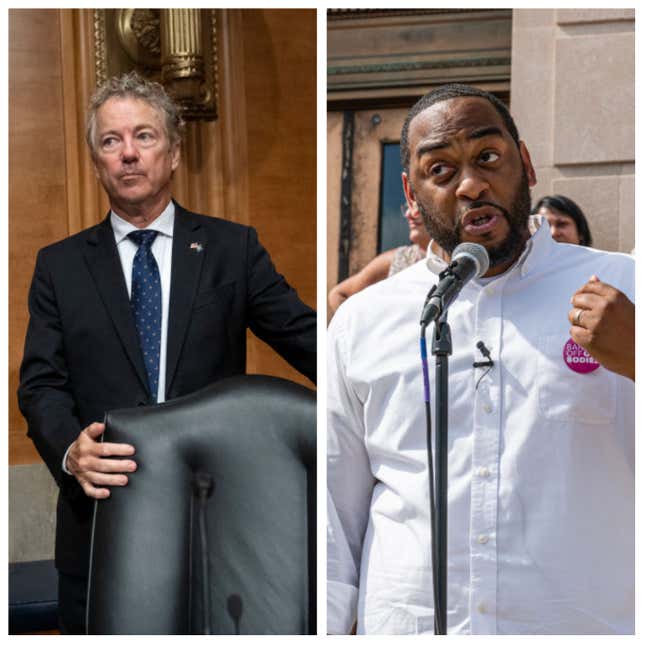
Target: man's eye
(108, 142)
(440, 170)
(145, 136)
(489, 156)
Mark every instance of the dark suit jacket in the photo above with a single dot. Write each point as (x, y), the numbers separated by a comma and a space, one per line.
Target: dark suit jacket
(82, 354)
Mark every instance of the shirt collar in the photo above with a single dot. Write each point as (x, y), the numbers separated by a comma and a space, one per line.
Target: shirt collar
(537, 247)
(435, 262)
(163, 224)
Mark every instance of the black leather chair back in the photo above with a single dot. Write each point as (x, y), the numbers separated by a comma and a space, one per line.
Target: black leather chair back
(254, 438)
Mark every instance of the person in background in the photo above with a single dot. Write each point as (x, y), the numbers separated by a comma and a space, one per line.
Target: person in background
(566, 219)
(385, 264)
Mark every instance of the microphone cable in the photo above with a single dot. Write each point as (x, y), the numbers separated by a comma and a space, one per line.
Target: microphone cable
(438, 627)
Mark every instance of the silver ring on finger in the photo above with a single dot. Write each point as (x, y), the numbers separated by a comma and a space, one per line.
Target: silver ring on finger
(578, 316)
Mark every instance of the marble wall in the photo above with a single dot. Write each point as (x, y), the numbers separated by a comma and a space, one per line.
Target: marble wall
(572, 96)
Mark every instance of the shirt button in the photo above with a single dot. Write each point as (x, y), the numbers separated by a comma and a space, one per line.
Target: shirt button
(483, 471)
(488, 408)
(481, 608)
(482, 539)
(489, 291)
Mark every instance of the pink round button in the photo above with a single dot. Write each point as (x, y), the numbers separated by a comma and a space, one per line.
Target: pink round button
(578, 359)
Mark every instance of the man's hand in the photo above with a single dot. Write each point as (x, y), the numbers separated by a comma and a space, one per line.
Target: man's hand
(603, 323)
(88, 460)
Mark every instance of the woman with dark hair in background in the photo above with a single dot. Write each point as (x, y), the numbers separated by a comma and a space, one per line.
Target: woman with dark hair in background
(566, 219)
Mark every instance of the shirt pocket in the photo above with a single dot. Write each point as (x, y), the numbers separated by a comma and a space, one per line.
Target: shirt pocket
(565, 395)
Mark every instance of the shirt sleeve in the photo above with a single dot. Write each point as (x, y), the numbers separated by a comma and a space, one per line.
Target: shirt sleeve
(350, 483)
(64, 464)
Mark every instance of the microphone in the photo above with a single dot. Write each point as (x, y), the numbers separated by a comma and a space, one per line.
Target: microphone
(468, 261)
(486, 353)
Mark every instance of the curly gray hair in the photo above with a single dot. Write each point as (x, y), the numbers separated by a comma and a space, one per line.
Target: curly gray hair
(132, 85)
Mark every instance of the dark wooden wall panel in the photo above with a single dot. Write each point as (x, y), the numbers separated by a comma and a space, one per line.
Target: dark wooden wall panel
(280, 86)
(37, 198)
(256, 164)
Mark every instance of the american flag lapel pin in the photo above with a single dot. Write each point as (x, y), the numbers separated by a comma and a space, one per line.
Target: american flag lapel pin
(197, 247)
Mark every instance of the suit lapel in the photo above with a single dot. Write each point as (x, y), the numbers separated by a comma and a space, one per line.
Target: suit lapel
(188, 249)
(105, 267)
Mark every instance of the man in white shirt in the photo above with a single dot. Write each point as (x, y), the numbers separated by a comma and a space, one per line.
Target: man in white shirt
(541, 446)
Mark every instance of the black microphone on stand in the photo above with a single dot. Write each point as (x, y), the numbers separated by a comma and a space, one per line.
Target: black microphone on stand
(468, 261)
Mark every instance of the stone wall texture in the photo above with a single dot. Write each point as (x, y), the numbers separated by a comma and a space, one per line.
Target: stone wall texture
(572, 96)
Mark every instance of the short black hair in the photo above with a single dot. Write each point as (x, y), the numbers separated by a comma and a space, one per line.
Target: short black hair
(444, 93)
(567, 207)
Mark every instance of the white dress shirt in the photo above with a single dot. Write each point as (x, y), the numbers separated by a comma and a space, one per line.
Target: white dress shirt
(162, 250)
(541, 458)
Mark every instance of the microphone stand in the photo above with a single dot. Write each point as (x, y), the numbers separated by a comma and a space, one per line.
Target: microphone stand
(435, 307)
(441, 350)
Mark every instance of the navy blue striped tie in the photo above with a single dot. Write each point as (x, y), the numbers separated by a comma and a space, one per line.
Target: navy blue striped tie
(145, 300)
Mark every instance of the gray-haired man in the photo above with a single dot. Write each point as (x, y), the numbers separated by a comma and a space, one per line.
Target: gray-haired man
(86, 350)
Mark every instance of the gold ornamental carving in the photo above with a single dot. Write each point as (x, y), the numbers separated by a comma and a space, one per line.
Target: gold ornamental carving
(182, 60)
(139, 31)
(175, 47)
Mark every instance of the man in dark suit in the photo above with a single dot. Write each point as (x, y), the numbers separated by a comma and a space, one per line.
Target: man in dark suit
(151, 304)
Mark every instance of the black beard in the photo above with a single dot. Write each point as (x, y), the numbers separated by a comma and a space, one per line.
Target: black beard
(507, 250)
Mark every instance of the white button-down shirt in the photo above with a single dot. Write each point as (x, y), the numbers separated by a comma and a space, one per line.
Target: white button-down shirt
(541, 459)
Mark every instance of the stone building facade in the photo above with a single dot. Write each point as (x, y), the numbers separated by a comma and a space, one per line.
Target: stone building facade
(567, 74)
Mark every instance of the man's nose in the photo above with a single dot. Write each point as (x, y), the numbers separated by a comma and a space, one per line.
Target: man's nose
(472, 185)
(129, 151)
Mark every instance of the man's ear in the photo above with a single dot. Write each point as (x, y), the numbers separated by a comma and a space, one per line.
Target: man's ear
(528, 165)
(408, 192)
(175, 152)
